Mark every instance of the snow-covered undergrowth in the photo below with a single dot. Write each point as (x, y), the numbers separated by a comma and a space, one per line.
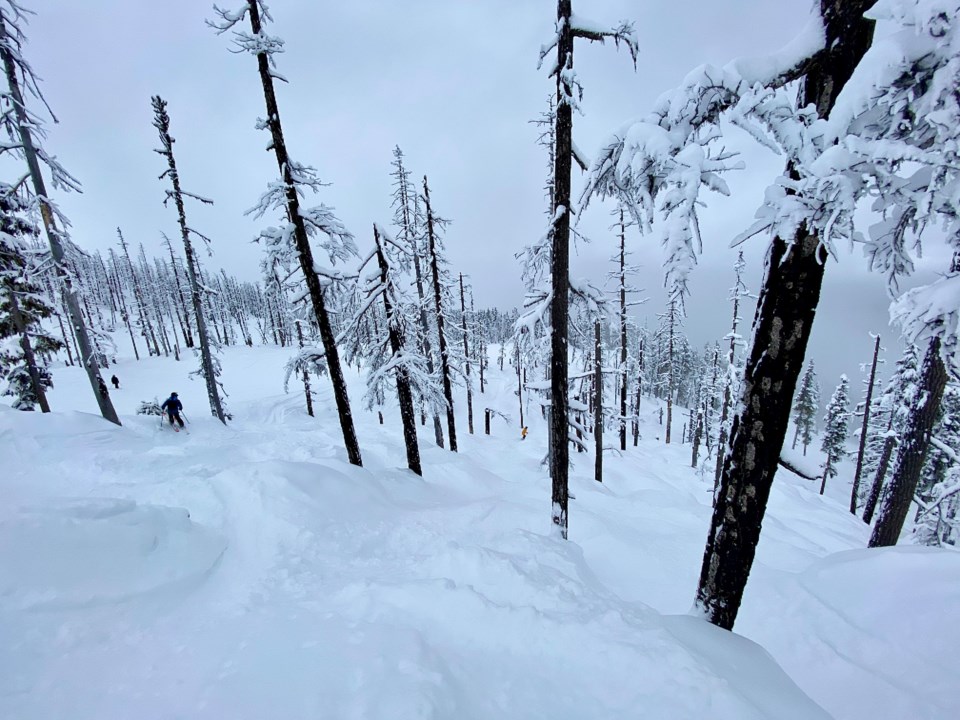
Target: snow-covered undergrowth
(250, 572)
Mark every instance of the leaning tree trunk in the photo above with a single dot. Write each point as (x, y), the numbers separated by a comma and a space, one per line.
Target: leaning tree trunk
(864, 428)
(889, 442)
(163, 126)
(913, 449)
(304, 251)
(438, 307)
(404, 395)
(784, 316)
(84, 346)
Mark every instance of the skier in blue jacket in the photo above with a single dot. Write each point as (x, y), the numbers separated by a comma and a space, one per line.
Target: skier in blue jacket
(173, 406)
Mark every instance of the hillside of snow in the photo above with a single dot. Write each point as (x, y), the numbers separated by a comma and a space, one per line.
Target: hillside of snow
(250, 572)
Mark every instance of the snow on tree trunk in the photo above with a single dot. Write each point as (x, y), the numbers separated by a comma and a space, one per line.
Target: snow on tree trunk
(913, 449)
(162, 123)
(782, 324)
(404, 396)
(438, 307)
(598, 401)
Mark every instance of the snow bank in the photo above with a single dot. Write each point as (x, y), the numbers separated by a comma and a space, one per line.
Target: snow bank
(86, 551)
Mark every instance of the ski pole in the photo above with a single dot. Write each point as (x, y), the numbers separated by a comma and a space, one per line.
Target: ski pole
(185, 416)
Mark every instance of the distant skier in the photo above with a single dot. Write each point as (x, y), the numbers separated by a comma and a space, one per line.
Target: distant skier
(173, 406)
(103, 388)
(116, 382)
(523, 434)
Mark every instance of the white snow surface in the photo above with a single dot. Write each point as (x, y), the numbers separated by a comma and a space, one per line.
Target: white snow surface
(248, 571)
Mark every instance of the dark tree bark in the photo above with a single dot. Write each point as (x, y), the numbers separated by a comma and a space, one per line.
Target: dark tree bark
(560, 276)
(913, 449)
(636, 408)
(519, 387)
(307, 392)
(466, 356)
(418, 275)
(438, 306)
(598, 402)
(785, 313)
(24, 125)
(162, 123)
(864, 427)
(404, 395)
(889, 443)
(623, 333)
(305, 253)
(697, 428)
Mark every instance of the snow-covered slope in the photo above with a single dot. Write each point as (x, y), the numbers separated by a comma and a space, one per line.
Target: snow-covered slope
(250, 572)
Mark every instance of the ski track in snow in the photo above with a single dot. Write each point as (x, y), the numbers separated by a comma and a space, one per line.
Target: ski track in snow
(302, 587)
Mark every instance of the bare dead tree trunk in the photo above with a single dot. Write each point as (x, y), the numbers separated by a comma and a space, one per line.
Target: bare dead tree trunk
(560, 275)
(307, 392)
(623, 333)
(466, 356)
(162, 123)
(889, 443)
(404, 395)
(598, 401)
(438, 306)
(305, 253)
(84, 346)
(785, 313)
(863, 428)
(913, 449)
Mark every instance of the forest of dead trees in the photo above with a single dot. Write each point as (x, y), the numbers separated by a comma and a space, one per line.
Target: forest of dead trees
(589, 360)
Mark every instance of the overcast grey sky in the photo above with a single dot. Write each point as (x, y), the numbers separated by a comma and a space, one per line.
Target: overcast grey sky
(454, 83)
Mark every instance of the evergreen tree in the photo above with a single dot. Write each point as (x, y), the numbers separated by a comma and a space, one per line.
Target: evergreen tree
(23, 341)
(835, 430)
(805, 408)
(938, 493)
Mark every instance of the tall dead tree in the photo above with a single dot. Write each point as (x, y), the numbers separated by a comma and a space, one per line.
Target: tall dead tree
(24, 123)
(738, 291)
(568, 93)
(438, 308)
(394, 329)
(408, 223)
(598, 401)
(867, 404)
(466, 356)
(263, 46)
(161, 121)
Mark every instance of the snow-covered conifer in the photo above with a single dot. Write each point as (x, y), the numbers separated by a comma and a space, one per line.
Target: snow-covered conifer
(805, 408)
(835, 430)
(23, 341)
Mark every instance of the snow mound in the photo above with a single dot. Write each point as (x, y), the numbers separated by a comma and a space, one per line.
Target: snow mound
(81, 551)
